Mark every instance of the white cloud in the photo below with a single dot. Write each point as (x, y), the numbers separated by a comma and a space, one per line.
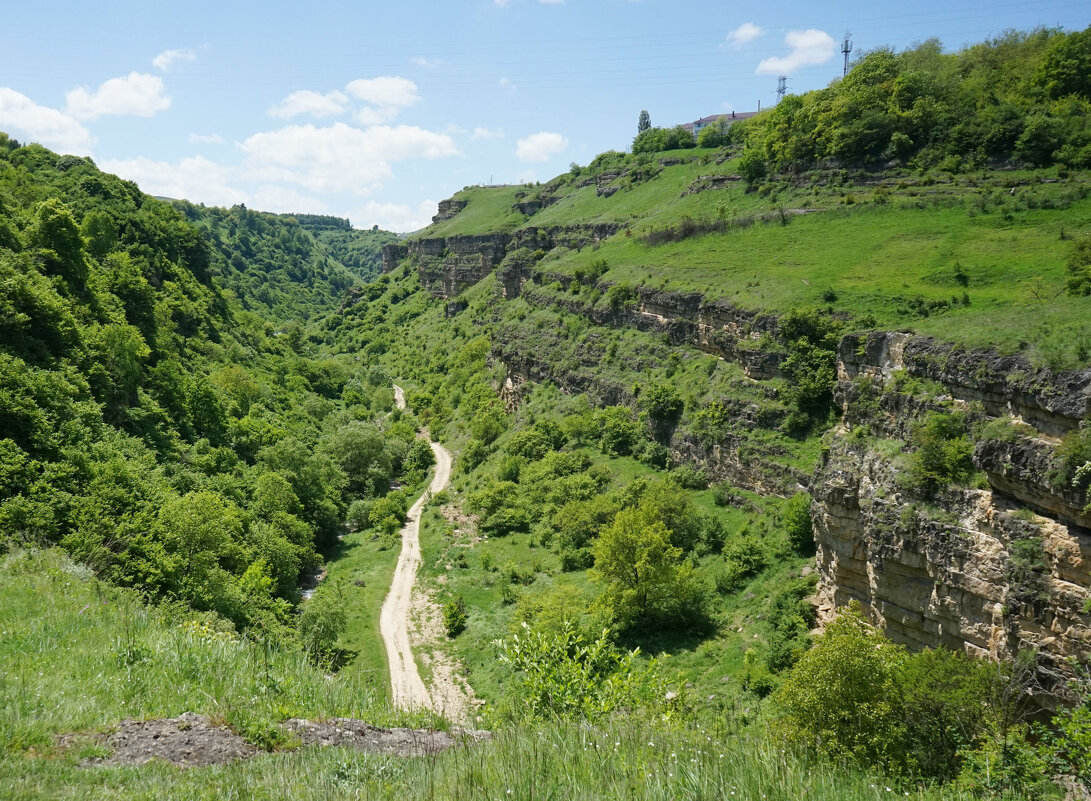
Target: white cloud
(195, 179)
(387, 90)
(505, 83)
(283, 200)
(394, 216)
(427, 63)
(315, 104)
(387, 95)
(165, 60)
(138, 94)
(747, 32)
(809, 49)
(486, 133)
(540, 146)
(205, 139)
(550, 2)
(339, 158)
(500, 3)
(26, 120)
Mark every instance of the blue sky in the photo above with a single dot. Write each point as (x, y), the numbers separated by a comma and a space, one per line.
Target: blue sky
(376, 111)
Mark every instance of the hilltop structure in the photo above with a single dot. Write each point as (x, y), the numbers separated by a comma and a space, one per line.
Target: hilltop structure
(728, 119)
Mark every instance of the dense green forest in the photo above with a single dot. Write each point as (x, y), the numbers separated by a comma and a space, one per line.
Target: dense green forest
(196, 413)
(164, 416)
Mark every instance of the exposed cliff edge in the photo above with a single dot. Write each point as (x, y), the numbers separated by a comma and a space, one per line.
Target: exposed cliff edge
(994, 569)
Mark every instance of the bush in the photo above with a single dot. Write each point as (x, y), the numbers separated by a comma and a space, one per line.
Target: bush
(841, 699)
(646, 581)
(618, 431)
(943, 452)
(797, 523)
(419, 457)
(690, 478)
(654, 455)
(473, 454)
(560, 673)
(322, 620)
(744, 557)
(454, 616)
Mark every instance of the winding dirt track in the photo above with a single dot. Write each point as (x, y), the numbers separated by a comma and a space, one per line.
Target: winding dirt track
(405, 681)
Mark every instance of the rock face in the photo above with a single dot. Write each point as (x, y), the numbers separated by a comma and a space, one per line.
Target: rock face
(971, 571)
(993, 571)
(1055, 403)
(447, 209)
(448, 265)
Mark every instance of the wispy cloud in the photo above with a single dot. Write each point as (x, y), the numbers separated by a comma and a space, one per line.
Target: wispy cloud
(427, 63)
(168, 58)
(205, 139)
(486, 133)
(311, 103)
(747, 32)
(809, 48)
(506, 84)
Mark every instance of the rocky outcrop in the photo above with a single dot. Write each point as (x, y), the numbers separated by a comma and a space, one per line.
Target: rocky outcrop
(534, 205)
(392, 255)
(970, 570)
(1024, 469)
(739, 461)
(685, 318)
(448, 208)
(448, 265)
(1055, 403)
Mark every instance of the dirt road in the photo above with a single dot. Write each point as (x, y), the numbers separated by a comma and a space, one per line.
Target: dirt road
(405, 681)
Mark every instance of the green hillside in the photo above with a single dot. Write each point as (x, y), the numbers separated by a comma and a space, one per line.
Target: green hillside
(653, 373)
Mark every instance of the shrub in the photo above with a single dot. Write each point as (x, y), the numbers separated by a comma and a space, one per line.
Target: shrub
(841, 699)
(419, 457)
(797, 523)
(561, 673)
(454, 616)
(654, 455)
(662, 402)
(322, 620)
(943, 452)
(618, 431)
(744, 556)
(474, 454)
(690, 478)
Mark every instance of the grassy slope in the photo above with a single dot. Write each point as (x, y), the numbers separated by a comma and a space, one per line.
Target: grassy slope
(81, 656)
(876, 252)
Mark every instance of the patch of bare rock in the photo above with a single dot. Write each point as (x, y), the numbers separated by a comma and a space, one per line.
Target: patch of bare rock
(192, 740)
(364, 737)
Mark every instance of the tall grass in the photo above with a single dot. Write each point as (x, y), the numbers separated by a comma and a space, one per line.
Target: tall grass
(76, 654)
(622, 760)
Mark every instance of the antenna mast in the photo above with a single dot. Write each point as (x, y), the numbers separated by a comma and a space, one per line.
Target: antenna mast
(846, 48)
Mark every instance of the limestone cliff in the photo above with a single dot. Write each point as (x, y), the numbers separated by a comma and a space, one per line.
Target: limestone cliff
(995, 570)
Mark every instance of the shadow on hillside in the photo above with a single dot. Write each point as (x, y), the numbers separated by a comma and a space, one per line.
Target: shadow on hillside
(660, 642)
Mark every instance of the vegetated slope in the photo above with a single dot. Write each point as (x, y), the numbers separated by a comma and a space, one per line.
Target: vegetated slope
(163, 415)
(80, 656)
(940, 193)
(705, 325)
